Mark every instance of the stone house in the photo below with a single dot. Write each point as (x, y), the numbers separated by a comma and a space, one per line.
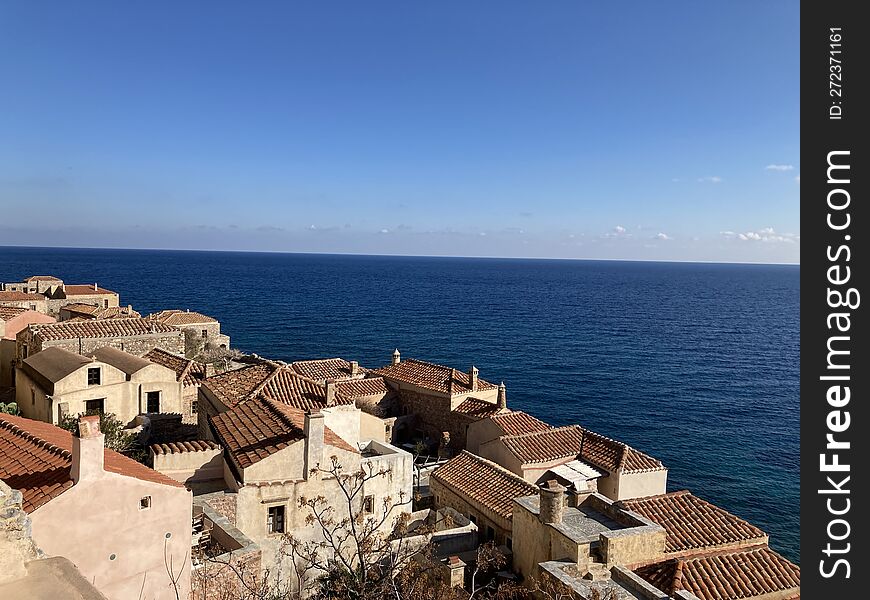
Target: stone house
(668, 546)
(200, 331)
(92, 311)
(624, 471)
(60, 296)
(26, 300)
(482, 491)
(120, 544)
(36, 284)
(134, 335)
(56, 382)
(188, 372)
(271, 450)
(13, 320)
(443, 400)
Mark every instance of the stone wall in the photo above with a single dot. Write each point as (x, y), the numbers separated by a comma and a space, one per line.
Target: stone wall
(172, 341)
(481, 516)
(16, 545)
(191, 466)
(195, 342)
(434, 416)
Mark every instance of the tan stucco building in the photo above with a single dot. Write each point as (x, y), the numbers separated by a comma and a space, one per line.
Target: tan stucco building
(13, 320)
(117, 520)
(57, 382)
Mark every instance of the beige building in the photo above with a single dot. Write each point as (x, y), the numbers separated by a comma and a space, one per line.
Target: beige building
(201, 332)
(134, 335)
(36, 284)
(53, 294)
(441, 399)
(55, 382)
(671, 546)
(482, 491)
(117, 520)
(13, 320)
(270, 450)
(15, 299)
(189, 373)
(615, 469)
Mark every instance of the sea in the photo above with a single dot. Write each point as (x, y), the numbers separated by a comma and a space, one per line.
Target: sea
(695, 364)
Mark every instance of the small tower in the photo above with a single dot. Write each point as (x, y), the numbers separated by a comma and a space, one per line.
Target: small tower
(472, 378)
(552, 502)
(397, 357)
(501, 401)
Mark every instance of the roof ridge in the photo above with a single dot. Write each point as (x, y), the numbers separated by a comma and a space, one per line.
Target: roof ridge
(551, 430)
(496, 466)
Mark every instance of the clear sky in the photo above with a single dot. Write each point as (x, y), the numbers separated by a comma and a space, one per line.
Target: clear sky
(636, 130)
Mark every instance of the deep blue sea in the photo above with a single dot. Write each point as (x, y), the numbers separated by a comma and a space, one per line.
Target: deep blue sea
(696, 364)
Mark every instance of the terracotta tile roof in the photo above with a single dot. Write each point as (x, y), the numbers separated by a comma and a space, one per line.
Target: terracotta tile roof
(692, 523)
(431, 376)
(42, 278)
(35, 457)
(98, 328)
(476, 408)
(326, 368)
(357, 388)
(234, 386)
(289, 388)
(516, 422)
(98, 312)
(729, 575)
(272, 381)
(85, 290)
(182, 447)
(259, 428)
(19, 296)
(483, 483)
(189, 372)
(8, 312)
(573, 441)
(180, 318)
(545, 445)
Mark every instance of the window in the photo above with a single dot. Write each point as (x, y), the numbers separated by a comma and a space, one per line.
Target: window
(473, 519)
(152, 402)
(105, 304)
(32, 307)
(490, 534)
(145, 503)
(24, 350)
(32, 397)
(509, 543)
(275, 521)
(94, 376)
(93, 406)
(193, 406)
(369, 504)
(205, 333)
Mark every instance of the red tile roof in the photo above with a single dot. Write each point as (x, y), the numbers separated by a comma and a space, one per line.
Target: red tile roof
(728, 575)
(19, 296)
(516, 422)
(35, 457)
(483, 483)
(573, 441)
(259, 428)
(8, 312)
(189, 372)
(98, 328)
(431, 376)
(692, 523)
(326, 368)
(42, 278)
(182, 447)
(234, 386)
(476, 408)
(98, 312)
(85, 290)
(357, 388)
(180, 318)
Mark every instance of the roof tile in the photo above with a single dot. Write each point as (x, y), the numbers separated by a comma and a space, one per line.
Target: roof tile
(431, 376)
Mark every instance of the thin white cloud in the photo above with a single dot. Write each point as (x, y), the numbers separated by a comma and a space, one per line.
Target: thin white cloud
(663, 236)
(619, 229)
(385, 231)
(767, 235)
(712, 179)
(779, 168)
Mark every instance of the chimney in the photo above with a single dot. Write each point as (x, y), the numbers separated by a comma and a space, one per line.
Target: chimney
(95, 287)
(397, 358)
(314, 429)
(354, 368)
(501, 401)
(88, 450)
(330, 392)
(472, 378)
(552, 502)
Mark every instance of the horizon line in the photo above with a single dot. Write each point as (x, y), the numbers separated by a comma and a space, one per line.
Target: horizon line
(649, 260)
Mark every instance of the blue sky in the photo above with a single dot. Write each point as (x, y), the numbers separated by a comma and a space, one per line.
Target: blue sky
(665, 131)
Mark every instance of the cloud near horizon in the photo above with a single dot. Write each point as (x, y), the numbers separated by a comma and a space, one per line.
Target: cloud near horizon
(779, 168)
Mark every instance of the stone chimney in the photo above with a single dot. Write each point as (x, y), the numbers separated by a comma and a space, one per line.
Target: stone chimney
(330, 392)
(552, 502)
(88, 450)
(96, 287)
(472, 378)
(501, 401)
(397, 358)
(354, 368)
(454, 571)
(314, 429)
